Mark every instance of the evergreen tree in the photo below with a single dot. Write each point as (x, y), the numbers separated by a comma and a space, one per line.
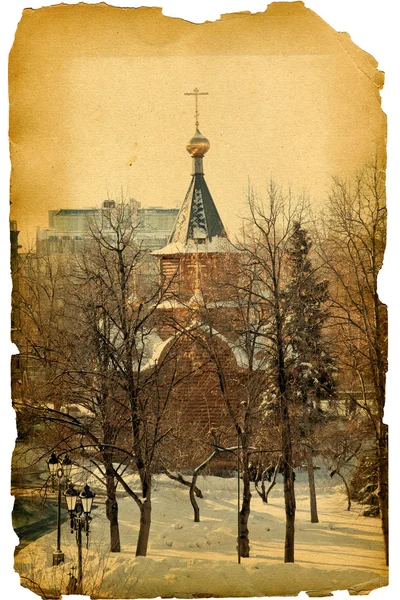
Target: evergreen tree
(311, 366)
(364, 484)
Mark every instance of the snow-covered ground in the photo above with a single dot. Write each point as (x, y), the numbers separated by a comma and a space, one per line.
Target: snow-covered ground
(343, 551)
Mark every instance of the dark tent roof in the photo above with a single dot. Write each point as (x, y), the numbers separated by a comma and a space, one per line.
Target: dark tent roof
(198, 217)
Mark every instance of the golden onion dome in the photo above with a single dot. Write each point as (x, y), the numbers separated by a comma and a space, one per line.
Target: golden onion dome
(198, 145)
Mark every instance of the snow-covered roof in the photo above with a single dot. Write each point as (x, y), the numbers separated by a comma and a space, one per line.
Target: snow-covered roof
(216, 244)
(171, 303)
(153, 347)
(158, 348)
(196, 300)
(236, 349)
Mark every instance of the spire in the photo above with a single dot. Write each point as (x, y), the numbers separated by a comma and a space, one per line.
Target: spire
(198, 227)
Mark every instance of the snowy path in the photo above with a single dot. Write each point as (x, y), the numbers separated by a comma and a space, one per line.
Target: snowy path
(344, 550)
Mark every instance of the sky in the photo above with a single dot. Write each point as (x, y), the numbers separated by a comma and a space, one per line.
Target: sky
(98, 107)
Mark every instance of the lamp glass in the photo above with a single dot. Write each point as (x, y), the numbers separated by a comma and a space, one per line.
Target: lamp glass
(71, 497)
(53, 464)
(67, 466)
(87, 499)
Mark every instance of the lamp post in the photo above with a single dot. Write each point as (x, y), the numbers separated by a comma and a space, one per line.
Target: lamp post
(59, 470)
(79, 508)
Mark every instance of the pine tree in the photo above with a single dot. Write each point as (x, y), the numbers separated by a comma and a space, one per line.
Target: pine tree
(311, 366)
(364, 484)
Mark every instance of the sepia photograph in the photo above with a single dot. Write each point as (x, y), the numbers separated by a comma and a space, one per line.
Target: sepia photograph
(198, 224)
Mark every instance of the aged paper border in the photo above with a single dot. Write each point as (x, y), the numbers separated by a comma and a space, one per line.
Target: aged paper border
(373, 26)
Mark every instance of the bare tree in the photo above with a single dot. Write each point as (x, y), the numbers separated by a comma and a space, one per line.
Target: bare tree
(98, 388)
(270, 473)
(143, 390)
(67, 385)
(257, 335)
(192, 451)
(343, 440)
(214, 329)
(266, 246)
(353, 250)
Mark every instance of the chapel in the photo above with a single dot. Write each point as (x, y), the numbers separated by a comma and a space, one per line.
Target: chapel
(199, 270)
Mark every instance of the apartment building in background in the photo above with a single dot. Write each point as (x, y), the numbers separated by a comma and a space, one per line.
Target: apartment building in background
(69, 226)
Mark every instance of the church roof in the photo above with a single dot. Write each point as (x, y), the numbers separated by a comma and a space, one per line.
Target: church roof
(198, 226)
(199, 218)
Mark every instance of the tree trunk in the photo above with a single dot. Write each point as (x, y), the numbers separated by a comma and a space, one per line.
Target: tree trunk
(265, 493)
(311, 485)
(193, 489)
(179, 477)
(383, 494)
(244, 544)
(144, 529)
(112, 511)
(273, 482)
(262, 492)
(288, 483)
(310, 463)
(347, 488)
(112, 515)
(290, 509)
(193, 502)
(287, 459)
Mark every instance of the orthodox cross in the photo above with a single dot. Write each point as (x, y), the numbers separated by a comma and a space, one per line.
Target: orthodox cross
(196, 93)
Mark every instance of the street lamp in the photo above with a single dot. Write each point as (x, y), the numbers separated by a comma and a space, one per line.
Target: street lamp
(52, 463)
(79, 508)
(59, 470)
(87, 497)
(67, 467)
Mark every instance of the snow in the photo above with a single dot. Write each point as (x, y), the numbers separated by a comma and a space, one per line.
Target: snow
(171, 303)
(159, 346)
(197, 300)
(154, 347)
(343, 551)
(216, 244)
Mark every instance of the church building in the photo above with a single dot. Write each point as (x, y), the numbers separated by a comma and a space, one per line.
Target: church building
(199, 313)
